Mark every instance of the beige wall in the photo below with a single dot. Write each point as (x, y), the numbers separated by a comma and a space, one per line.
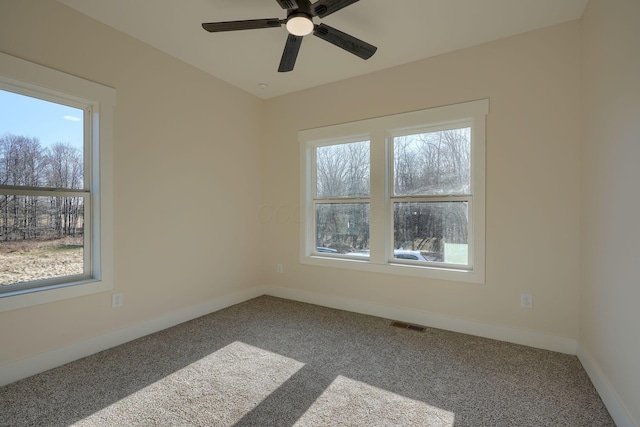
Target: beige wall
(610, 271)
(533, 169)
(186, 178)
(183, 137)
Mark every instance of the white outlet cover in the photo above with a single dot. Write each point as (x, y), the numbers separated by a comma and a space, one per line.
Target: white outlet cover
(116, 300)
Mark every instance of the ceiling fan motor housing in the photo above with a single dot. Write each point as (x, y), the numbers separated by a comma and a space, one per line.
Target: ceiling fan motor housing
(303, 10)
(300, 20)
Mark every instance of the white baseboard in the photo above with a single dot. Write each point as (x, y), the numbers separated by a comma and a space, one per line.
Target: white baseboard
(607, 393)
(450, 323)
(24, 368)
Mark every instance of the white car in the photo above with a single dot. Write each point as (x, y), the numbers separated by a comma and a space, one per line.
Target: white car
(411, 255)
(397, 253)
(326, 250)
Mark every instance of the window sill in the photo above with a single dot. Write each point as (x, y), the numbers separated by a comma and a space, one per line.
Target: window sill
(30, 297)
(467, 276)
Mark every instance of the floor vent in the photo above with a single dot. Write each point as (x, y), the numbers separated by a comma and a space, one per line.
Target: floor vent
(403, 325)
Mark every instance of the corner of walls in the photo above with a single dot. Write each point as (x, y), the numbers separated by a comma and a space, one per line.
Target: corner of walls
(607, 392)
(180, 135)
(608, 342)
(432, 320)
(38, 363)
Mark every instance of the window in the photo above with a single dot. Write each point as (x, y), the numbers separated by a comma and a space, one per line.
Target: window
(55, 185)
(402, 194)
(341, 197)
(432, 192)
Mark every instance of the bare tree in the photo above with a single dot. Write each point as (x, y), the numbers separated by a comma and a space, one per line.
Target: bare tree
(66, 170)
(22, 163)
(431, 164)
(425, 164)
(342, 171)
(25, 163)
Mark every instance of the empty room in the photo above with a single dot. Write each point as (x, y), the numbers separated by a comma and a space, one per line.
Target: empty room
(309, 213)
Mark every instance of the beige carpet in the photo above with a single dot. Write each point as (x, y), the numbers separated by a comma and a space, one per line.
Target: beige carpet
(273, 362)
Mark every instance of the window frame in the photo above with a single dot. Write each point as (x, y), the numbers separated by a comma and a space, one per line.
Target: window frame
(97, 101)
(380, 132)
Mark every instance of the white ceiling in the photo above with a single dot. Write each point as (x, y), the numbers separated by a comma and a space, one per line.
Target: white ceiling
(403, 30)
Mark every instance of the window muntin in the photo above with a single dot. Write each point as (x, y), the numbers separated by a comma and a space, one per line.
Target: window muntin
(42, 152)
(449, 245)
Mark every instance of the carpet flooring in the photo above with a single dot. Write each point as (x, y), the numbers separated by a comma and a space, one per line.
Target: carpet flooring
(274, 362)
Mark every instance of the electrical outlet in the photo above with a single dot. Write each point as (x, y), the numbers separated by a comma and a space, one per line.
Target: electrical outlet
(526, 300)
(117, 300)
(279, 268)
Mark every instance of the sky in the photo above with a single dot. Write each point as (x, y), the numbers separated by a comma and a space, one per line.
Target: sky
(47, 121)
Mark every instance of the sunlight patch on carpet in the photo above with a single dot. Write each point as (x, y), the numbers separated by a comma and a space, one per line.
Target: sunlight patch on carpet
(351, 402)
(217, 390)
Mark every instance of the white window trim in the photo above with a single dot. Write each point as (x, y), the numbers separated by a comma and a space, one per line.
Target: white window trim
(28, 76)
(379, 131)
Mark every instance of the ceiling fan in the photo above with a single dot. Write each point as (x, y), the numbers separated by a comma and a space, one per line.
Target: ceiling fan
(299, 23)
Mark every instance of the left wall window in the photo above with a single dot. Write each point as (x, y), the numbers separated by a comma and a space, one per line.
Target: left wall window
(43, 191)
(55, 185)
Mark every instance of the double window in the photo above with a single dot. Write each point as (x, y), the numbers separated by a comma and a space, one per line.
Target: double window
(54, 185)
(401, 194)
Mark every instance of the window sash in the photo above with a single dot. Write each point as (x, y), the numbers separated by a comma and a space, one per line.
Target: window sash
(87, 267)
(431, 199)
(314, 165)
(66, 100)
(85, 193)
(313, 241)
(421, 130)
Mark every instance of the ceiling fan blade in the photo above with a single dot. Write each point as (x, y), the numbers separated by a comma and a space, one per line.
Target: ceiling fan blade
(323, 8)
(249, 24)
(288, 4)
(290, 53)
(343, 40)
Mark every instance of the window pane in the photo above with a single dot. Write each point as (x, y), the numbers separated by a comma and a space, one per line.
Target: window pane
(432, 163)
(343, 227)
(40, 238)
(342, 170)
(432, 231)
(41, 143)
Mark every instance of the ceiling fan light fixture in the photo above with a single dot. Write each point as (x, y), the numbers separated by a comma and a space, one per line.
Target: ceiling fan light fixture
(299, 25)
